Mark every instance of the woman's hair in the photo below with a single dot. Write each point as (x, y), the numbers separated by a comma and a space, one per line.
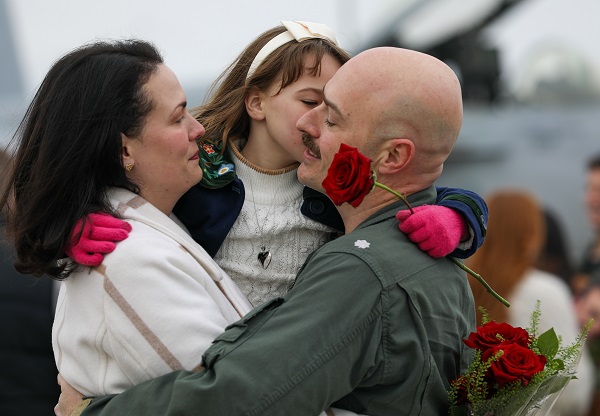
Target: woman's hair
(513, 241)
(554, 256)
(5, 166)
(68, 147)
(224, 115)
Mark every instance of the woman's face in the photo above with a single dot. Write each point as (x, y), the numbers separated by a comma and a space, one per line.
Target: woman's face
(165, 154)
(283, 110)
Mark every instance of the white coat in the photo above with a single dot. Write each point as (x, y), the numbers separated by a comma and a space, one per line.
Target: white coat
(154, 305)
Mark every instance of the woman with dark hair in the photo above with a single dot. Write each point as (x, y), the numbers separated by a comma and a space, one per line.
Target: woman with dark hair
(108, 131)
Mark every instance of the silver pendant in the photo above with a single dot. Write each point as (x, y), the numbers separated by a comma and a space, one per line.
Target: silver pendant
(264, 257)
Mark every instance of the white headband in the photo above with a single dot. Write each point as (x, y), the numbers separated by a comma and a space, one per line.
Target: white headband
(295, 30)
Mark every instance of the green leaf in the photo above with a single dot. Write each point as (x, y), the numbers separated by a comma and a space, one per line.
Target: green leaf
(548, 344)
(560, 383)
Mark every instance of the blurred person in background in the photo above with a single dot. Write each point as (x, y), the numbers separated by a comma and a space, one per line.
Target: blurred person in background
(554, 256)
(507, 259)
(588, 280)
(590, 263)
(588, 306)
(28, 377)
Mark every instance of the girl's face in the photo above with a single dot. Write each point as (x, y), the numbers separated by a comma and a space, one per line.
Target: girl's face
(283, 110)
(165, 155)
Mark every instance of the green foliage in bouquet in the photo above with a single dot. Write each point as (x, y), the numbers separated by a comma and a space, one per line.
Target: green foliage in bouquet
(513, 370)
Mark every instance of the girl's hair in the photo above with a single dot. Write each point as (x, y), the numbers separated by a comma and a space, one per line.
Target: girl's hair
(514, 238)
(224, 115)
(68, 147)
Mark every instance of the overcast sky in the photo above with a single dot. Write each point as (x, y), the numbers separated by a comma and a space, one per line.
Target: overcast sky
(199, 38)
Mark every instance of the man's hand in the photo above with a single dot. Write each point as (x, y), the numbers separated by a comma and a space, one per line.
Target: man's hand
(100, 232)
(69, 400)
(437, 230)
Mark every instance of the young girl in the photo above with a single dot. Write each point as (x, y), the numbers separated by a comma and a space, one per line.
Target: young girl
(251, 213)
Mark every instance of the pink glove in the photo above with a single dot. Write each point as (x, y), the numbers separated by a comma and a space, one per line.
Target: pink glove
(100, 231)
(435, 229)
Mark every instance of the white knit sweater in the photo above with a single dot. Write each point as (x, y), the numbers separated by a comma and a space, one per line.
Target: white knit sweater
(270, 217)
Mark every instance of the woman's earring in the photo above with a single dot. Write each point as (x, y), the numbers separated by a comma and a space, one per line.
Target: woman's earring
(128, 167)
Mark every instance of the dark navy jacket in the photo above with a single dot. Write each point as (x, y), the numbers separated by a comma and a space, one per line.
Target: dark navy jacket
(209, 214)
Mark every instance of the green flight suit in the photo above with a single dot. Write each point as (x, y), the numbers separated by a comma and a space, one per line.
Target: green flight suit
(373, 325)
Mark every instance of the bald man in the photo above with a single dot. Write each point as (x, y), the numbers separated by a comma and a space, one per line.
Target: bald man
(366, 328)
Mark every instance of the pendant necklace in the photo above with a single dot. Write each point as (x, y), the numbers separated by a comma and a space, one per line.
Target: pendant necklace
(264, 256)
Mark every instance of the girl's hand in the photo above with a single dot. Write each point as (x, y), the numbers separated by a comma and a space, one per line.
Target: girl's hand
(437, 230)
(98, 237)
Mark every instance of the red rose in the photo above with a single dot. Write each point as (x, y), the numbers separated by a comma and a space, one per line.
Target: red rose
(516, 363)
(349, 178)
(493, 333)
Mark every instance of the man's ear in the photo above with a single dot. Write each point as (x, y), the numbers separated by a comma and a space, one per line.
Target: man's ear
(253, 102)
(395, 156)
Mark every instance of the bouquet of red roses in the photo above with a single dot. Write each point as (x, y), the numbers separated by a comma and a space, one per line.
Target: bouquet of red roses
(514, 371)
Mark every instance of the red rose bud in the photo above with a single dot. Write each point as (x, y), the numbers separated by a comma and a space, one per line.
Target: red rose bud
(516, 363)
(349, 177)
(493, 333)
(461, 384)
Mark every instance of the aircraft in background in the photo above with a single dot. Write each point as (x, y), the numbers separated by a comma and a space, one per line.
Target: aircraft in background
(540, 141)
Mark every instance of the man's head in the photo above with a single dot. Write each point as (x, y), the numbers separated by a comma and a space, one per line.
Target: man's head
(592, 193)
(401, 108)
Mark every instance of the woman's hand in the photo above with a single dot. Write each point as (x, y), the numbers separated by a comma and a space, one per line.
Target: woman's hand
(69, 398)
